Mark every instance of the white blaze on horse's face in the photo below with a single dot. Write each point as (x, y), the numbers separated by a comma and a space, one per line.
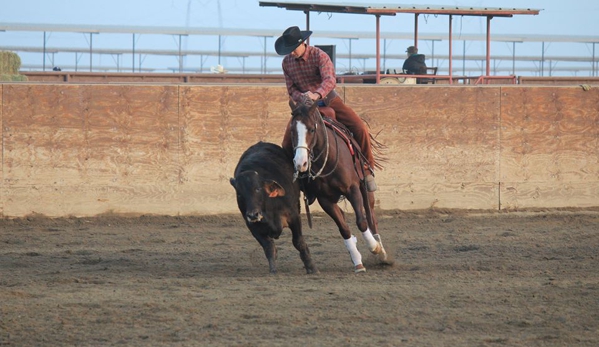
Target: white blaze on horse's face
(300, 160)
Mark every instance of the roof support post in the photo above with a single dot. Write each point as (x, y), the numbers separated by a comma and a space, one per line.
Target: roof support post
(385, 55)
(307, 24)
(133, 55)
(488, 58)
(219, 48)
(416, 30)
(514, 58)
(264, 61)
(464, 58)
(350, 39)
(90, 51)
(378, 49)
(44, 54)
(543, 59)
(594, 64)
(180, 56)
(450, 49)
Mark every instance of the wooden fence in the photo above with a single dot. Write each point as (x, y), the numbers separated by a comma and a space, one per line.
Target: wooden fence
(88, 149)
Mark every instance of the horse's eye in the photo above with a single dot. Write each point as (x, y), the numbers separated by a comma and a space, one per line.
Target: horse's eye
(312, 130)
(258, 190)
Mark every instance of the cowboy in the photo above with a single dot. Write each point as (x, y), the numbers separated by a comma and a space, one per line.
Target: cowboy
(310, 74)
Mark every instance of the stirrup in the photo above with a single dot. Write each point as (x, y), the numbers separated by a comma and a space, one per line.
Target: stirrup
(370, 183)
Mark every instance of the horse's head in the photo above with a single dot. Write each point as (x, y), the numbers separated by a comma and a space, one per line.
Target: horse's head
(304, 125)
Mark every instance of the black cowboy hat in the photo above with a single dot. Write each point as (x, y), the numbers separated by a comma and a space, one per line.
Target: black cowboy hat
(290, 40)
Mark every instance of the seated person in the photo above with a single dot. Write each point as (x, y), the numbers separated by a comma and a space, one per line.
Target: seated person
(415, 65)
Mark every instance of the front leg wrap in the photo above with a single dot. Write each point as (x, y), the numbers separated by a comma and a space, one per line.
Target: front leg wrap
(352, 248)
(373, 245)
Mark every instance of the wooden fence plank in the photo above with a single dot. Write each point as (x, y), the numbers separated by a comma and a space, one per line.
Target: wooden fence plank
(549, 146)
(435, 138)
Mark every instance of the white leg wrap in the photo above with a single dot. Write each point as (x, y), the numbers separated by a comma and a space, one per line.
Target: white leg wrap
(369, 239)
(355, 255)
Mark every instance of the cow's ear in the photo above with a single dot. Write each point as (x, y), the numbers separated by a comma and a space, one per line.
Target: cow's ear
(273, 189)
(232, 181)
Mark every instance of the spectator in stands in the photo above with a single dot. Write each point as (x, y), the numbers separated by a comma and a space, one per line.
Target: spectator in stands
(414, 64)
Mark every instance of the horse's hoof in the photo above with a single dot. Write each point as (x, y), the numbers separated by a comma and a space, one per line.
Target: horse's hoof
(384, 258)
(378, 249)
(359, 268)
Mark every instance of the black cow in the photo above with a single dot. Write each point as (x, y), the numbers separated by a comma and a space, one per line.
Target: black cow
(268, 199)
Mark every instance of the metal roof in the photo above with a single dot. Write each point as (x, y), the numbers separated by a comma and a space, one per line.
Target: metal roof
(393, 9)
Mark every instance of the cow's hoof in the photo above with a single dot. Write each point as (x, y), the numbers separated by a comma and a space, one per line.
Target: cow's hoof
(359, 268)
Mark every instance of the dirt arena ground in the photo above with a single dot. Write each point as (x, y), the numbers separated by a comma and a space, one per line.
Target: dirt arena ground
(459, 279)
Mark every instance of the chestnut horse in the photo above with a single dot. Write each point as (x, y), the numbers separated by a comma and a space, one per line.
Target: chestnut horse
(331, 167)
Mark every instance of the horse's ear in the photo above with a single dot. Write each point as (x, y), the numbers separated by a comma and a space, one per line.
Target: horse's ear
(292, 104)
(273, 189)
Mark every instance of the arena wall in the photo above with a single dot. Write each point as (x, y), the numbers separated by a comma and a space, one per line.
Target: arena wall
(88, 149)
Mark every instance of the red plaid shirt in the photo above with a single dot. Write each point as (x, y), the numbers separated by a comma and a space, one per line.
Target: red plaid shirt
(314, 72)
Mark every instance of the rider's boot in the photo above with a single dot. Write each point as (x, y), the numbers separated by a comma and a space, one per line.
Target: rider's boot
(370, 183)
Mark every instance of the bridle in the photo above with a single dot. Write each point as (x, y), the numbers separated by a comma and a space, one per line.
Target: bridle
(325, 151)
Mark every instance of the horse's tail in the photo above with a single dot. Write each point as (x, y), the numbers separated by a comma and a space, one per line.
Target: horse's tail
(378, 150)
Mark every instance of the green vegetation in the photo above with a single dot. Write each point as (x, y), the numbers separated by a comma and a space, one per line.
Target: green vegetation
(10, 63)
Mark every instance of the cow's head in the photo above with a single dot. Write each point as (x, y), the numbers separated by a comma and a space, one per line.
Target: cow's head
(253, 192)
